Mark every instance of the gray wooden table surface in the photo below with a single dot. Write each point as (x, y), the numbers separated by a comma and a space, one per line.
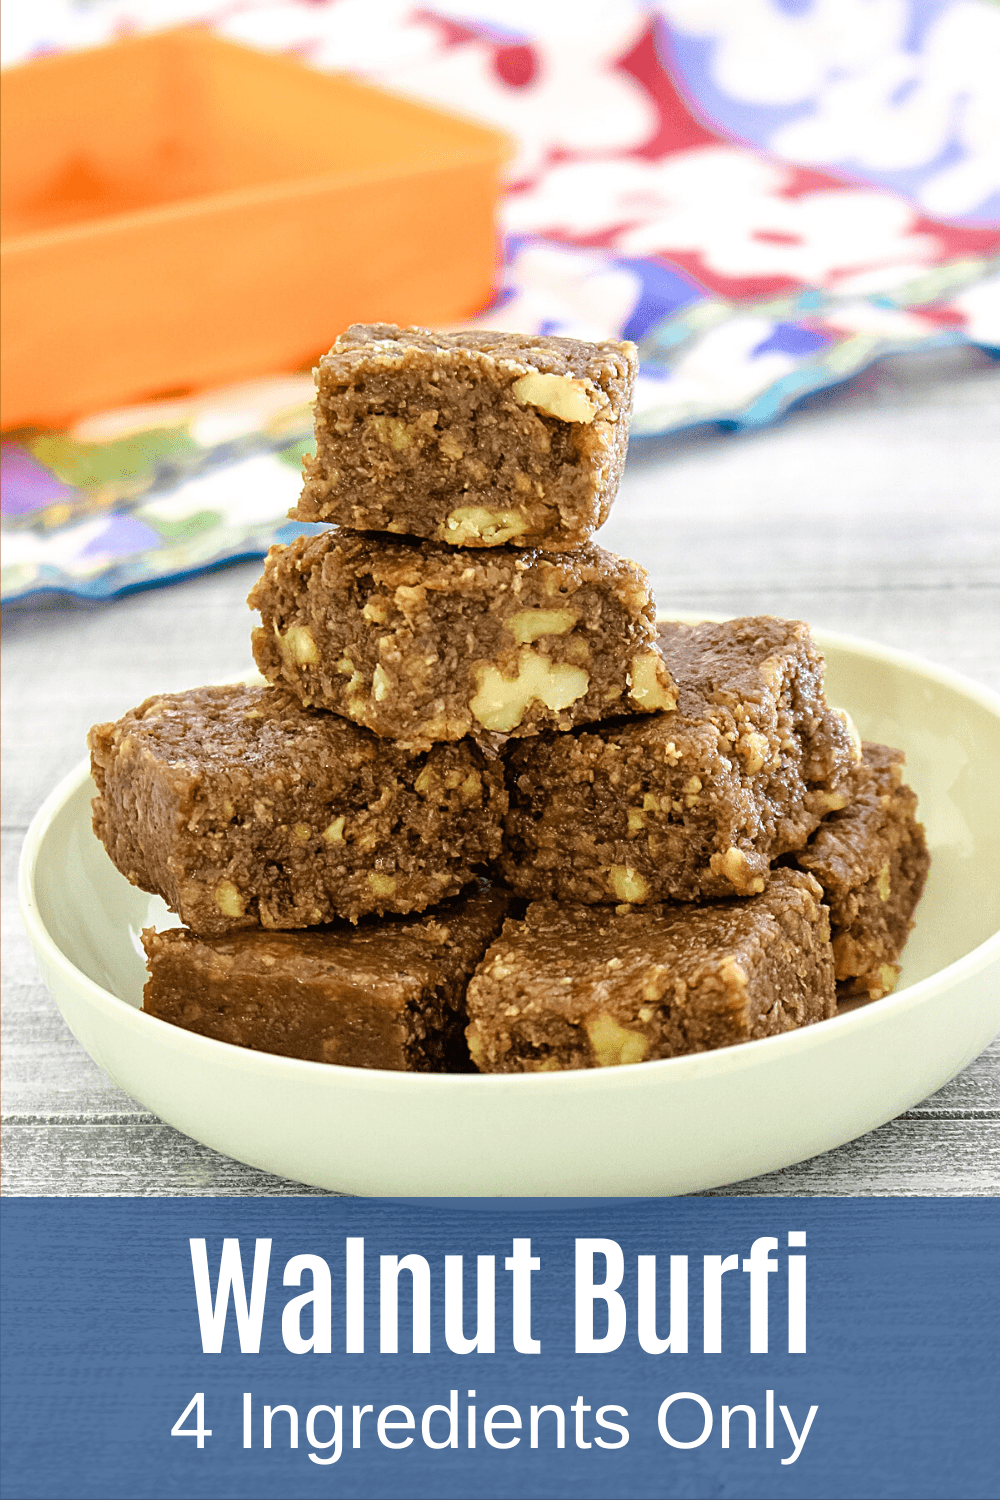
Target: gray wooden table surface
(874, 509)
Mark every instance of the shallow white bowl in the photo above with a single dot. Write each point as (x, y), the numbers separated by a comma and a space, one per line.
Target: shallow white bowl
(674, 1126)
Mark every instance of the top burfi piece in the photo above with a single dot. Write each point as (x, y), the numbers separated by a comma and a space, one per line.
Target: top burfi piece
(475, 438)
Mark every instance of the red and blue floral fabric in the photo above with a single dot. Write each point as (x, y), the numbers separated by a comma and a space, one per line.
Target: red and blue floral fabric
(766, 195)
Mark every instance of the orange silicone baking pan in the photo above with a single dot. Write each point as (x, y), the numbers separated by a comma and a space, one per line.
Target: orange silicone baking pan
(180, 211)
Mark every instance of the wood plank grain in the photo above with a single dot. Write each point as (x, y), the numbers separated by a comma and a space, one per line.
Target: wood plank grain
(951, 1158)
(72, 665)
(139, 1159)
(859, 491)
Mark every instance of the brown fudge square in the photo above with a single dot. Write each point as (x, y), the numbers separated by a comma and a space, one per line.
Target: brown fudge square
(388, 994)
(421, 642)
(586, 987)
(871, 860)
(693, 803)
(472, 438)
(239, 807)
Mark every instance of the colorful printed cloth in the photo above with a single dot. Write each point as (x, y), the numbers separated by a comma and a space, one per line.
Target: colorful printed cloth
(765, 194)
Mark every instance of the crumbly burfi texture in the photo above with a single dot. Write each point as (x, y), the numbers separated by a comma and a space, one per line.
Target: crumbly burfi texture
(476, 438)
(871, 860)
(387, 994)
(592, 987)
(239, 807)
(421, 642)
(692, 803)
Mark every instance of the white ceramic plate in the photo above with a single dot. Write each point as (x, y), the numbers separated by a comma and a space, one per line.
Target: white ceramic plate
(674, 1126)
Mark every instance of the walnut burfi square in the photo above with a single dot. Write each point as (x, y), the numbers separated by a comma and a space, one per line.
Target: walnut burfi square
(420, 642)
(593, 987)
(693, 803)
(239, 807)
(871, 860)
(384, 994)
(472, 438)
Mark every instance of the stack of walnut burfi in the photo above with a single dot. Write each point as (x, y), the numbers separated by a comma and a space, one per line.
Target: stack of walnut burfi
(485, 814)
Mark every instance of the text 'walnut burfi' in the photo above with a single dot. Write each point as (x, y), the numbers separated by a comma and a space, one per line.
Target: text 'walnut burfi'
(421, 642)
(239, 807)
(693, 803)
(475, 438)
(871, 860)
(387, 994)
(587, 987)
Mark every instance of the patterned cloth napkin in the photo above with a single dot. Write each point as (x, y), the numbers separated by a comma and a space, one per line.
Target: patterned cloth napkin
(766, 195)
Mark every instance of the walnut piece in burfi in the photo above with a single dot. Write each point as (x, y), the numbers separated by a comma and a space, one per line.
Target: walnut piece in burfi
(387, 994)
(871, 860)
(593, 987)
(693, 803)
(239, 807)
(475, 438)
(420, 642)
